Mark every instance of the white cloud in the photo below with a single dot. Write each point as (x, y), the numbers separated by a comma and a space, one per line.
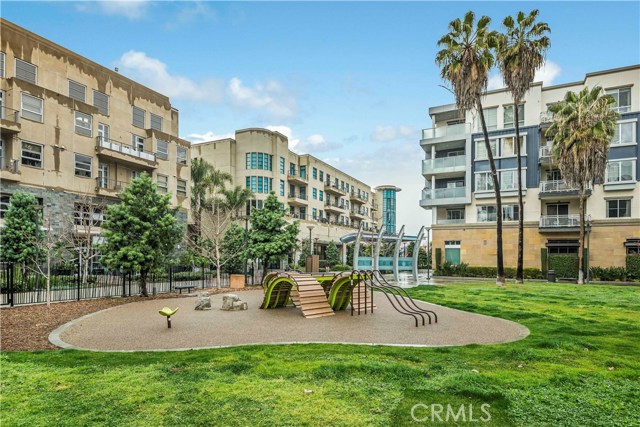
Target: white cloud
(313, 144)
(193, 11)
(393, 133)
(286, 131)
(545, 74)
(132, 9)
(197, 138)
(270, 97)
(153, 73)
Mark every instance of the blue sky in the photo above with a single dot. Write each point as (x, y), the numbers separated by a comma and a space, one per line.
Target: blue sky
(348, 82)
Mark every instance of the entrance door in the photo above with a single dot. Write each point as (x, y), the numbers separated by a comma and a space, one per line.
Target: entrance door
(103, 175)
(452, 251)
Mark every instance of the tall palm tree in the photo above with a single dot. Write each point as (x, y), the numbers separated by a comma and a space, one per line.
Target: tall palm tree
(583, 125)
(465, 60)
(235, 200)
(204, 179)
(520, 53)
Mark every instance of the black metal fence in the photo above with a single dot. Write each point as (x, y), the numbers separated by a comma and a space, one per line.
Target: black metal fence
(21, 285)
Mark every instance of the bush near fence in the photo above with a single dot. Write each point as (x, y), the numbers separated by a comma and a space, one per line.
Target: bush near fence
(465, 270)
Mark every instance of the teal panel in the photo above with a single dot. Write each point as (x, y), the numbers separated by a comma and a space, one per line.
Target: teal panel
(452, 255)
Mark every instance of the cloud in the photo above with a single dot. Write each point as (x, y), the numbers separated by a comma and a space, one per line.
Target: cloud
(153, 73)
(270, 97)
(393, 133)
(197, 138)
(286, 131)
(313, 144)
(132, 9)
(545, 74)
(191, 13)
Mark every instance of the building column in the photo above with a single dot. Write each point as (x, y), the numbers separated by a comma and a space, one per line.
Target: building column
(433, 151)
(344, 254)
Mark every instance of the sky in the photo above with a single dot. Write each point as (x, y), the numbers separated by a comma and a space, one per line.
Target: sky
(348, 82)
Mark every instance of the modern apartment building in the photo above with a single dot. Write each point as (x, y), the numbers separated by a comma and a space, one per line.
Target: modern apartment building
(74, 132)
(459, 189)
(325, 199)
(386, 198)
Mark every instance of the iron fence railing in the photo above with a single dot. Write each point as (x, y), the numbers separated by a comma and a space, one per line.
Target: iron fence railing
(124, 148)
(560, 221)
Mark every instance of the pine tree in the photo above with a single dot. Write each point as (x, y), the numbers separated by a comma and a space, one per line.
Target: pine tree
(140, 232)
(22, 229)
(332, 255)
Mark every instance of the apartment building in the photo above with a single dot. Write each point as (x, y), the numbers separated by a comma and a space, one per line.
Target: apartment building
(459, 188)
(74, 131)
(386, 207)
(323, 198)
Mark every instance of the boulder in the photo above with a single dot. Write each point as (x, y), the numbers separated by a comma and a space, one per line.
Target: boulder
(203, 302)
(232, 302)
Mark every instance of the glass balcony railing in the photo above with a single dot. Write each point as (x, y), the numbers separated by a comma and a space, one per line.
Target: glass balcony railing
(125, 149)
(555, 187)
(450, 221)
(444, 164)
(545, 152)
(443, 193)
(560, 221)
(442, 131)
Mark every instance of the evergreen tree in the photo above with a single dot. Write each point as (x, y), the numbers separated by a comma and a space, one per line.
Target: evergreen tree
(304, 251)
(270, 237)
(233, 249)
(423, 257)
(22, 229)
(332, 254)
(141, 231)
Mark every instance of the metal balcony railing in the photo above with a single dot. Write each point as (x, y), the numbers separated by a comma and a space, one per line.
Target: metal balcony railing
(124, 148)
(555, 186)
(9, 114)
(545, 151)
(110, 184)
(546, 117)
(294, 195)
(10, 165)
(443, 164)
(443, 193)
(451, 130)
(560, 221)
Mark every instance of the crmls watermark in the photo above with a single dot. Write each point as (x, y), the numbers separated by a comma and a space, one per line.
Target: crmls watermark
(436, 412)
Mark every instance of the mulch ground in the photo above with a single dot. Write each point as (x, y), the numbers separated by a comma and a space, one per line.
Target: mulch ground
(27, 328)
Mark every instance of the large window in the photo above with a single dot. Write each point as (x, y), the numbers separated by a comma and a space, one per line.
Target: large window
(182, 155)
(2, 62)
(31, 154)
(303, 171)
(481, 149)
(26, 71)
(314, 193)
(321, 177)
(162, 183)
(83, 124)
(156, 122)
(619, 208)
(77, 91)
(509, 146)
(182, 188)
(320, 197)
(101, 102)
(282, 187)
(509, 179)
(281, 164)
(82, 166)
(622, 97)
(484, 181)
(32, 107)
(625, 133)
(138, 117)
(490, 118)
(509, 116)
(455, 214)
(162, 149)
(489, 213)
(620, 171)
(314, 173)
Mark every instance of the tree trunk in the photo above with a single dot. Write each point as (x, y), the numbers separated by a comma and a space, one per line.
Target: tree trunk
(520, 266)
(496, 188)
(581, 245)
(48, 277)
(85, 268)
(264, 270)
(143, 283)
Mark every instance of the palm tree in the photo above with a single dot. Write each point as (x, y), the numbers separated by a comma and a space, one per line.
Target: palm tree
(465, 61)
(235, 200)
(520, 53)
(204, 179)
(583, 125)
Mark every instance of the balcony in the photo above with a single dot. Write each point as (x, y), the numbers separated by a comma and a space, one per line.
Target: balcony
(557, 189)
(109, 187)
(546, 119)
(10, 120)
(297, 199)
(561, 223)
(443, 196)
(446, 133)
(449, 221)
(544, 154)
(124, 153)
(333, 188)
(444, 165)
(10, 169)
(334, 207)
(357, 198)
(295, 178)
(358, 213)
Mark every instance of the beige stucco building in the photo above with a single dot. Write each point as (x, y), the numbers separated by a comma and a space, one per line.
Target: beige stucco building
(322, 197)
(73, 129)
(459, 190)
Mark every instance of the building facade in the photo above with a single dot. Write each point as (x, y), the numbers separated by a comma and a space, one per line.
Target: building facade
(74, 132)
(386, 198)
(459, 188)
(323, 198)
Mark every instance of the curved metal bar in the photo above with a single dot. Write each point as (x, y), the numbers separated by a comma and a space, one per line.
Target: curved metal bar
(376, 256)
(416, 253)
(380, 278)
(396, 254)
(356, 247)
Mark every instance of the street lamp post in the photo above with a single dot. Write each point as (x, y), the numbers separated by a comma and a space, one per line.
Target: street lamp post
(310, 227)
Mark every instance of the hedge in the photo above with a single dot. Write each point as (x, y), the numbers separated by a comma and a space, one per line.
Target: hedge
(565, 266)
(464, 270)
(633, 266)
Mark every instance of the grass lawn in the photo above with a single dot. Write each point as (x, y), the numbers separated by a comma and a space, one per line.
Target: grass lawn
(579, 367)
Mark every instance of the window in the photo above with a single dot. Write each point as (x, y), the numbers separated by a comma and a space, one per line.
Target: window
(557, 209)
(481, 149)
(260, 188)
(292, 169)
(77, 91)
(490, 118)
(87, 215)
(618, 208)
(625, 133)
(620, 171)
(321, 195)
(314, 173)
(254, 184)
(26, 71)
(248, 160)
(82, 166)
(162, 149)
(103, 132)
(138, 117)
(314, 194)
(314, 213)
(321, 177)
(101, 102)
(155, 121)
(32, 107)
(281, 164)
(260, 162)
(455, 214)
(31, 154)
(281, 187)
(489, 213)
(509, 179)
(254, 160)
(137, 142)
(622, 97)
(5, 200)
(163, 183)
(484, 181)
(303, 171)
(2, 60)
(83, 124)
(509, 146)
(182, 188)
(182, 155)
(510, 212)
(509, 116)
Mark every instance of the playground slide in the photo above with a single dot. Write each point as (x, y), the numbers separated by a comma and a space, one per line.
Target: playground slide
(308, 293)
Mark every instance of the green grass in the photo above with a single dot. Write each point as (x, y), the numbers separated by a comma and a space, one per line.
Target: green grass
(559, 376)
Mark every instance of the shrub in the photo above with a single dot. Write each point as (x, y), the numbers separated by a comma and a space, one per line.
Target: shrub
(608, 274)
(633, 267)
(341, 267)
(464, 270)
(565, 266)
